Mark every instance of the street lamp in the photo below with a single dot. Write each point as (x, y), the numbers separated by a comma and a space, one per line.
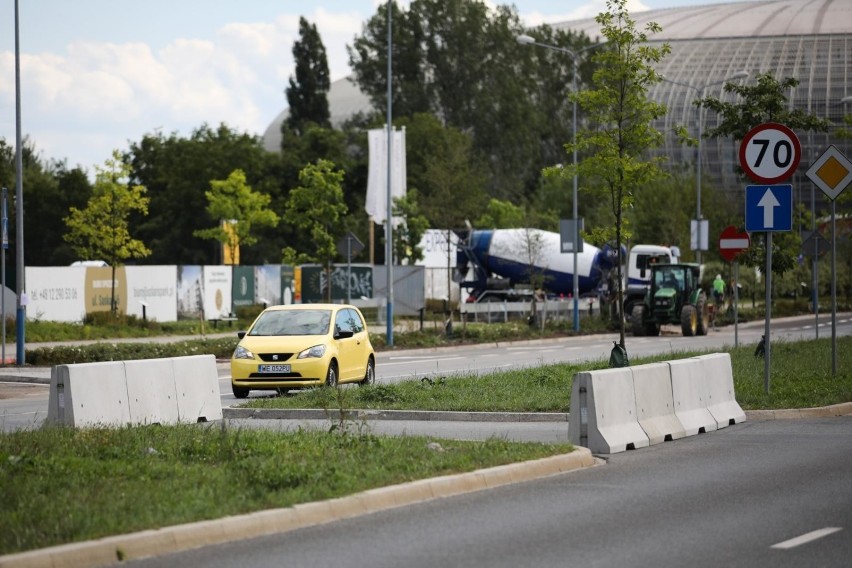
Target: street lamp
(700, 90)
(575, 57)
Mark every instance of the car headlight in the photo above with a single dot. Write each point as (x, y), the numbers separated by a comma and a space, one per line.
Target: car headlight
(242, 353)
(315, 351)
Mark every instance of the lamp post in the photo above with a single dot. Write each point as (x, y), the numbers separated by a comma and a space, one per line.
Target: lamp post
(700, 90)
(575, 57)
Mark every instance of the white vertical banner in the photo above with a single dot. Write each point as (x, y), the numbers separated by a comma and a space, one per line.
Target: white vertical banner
(377, 175)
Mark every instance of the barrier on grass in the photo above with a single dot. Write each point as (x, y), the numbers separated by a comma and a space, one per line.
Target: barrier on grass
(614, 410)
(147, 391)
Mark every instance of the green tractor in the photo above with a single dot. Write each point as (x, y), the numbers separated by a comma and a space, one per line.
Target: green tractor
(674, 297)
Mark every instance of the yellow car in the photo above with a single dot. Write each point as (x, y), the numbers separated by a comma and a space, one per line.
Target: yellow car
(303, 345)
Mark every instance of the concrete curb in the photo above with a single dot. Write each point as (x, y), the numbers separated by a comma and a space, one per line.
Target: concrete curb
(116, 549)
(356, 414)
(842, 409)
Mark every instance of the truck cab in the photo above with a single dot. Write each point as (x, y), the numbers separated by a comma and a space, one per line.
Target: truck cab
(640, 261)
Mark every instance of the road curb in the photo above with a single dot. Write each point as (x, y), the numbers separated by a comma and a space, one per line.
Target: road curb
(842, 409)
(116, 549)
(362, 414)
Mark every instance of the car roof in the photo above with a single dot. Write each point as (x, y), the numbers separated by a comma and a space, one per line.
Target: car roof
(310, 307)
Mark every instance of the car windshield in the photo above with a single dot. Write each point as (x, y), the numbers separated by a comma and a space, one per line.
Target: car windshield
(292, 322)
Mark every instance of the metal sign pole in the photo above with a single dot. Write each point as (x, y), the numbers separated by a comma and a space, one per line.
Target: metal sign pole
(5, 237)
(736, 303)
(833, 289)
(766, 350)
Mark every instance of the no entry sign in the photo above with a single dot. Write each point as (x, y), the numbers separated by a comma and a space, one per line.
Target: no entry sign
(732, 242)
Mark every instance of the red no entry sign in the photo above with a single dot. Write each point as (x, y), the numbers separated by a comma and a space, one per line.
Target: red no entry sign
(732, 242)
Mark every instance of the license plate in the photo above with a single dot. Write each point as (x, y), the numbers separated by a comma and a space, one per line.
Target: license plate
(273, 368)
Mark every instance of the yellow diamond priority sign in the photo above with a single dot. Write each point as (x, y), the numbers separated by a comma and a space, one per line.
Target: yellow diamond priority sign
(832, 172)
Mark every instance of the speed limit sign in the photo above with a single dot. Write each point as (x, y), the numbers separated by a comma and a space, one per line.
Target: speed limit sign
(770, 153)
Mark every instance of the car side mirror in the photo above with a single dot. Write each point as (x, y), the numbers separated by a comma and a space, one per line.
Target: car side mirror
(241, 334)
(343, 334)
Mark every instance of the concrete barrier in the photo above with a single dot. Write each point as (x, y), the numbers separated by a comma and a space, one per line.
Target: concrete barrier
(722, 402)
(690, 393)
(147, 391)
(603, 412)
(87, 394)
(151, 391)
(197, 385)
(654, 403)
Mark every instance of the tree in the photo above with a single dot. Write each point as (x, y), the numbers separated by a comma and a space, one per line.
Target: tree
(101, 230)
(501, 215)
(459, 61)
(407, 236)
(315, 209)
(307, 93)
(620, 132)
(233, 202)
(445, 169)
(177, 171)
(765, 101)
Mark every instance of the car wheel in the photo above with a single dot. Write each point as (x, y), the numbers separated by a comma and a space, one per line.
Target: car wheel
(331, 376)
(240, 392)
(370, 374)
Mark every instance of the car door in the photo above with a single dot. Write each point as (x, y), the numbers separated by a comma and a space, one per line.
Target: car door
(347, 347)
(361, 350)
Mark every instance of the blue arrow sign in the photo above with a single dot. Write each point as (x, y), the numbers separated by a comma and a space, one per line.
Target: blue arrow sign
(769, 208)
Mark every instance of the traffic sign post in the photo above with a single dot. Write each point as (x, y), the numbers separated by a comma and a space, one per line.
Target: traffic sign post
(832, 173)
(732, 242)
(769, 208)
(769, 153)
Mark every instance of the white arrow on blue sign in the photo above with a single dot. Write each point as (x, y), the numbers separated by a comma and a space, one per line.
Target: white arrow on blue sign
(769, 208)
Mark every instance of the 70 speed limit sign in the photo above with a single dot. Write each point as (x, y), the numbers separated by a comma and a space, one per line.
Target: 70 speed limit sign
(770, 153)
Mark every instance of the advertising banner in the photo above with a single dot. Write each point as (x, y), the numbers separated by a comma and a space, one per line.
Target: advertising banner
(242, 291)
(217, 291)
(358, 283)
(154, 289)
(268, 284)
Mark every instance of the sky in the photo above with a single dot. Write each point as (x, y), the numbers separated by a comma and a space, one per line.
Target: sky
(98, 75)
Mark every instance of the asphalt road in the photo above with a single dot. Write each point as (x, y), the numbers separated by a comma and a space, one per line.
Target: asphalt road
(24, 405)
(773, 493)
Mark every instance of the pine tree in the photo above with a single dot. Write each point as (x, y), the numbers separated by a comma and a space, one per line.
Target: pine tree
(307, 95)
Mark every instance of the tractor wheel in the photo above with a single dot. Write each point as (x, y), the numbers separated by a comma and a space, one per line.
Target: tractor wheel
(688, 321)
(636, 318)
(652, 329)
(703, 315)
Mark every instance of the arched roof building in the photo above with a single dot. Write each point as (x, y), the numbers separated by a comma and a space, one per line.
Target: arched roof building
(810, 40)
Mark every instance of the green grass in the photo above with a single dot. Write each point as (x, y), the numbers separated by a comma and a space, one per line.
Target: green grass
(60, 485)
(800, 378)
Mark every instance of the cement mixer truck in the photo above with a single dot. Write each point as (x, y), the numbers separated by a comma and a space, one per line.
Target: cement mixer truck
(501, 264)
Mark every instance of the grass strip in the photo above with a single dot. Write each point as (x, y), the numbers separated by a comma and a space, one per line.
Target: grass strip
(800, 378)
(61, 485)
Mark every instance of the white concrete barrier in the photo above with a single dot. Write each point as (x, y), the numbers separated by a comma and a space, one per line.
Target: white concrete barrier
(145, 391)
(603, 412)
(89, 394)
(197, 385)
(654, 402)
(690, 394)
(722, 402)
(151, 391)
